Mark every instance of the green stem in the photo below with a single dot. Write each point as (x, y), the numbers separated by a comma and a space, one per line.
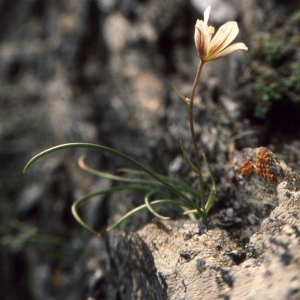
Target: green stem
(193, 134)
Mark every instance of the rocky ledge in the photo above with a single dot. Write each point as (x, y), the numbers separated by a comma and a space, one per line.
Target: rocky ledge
(183, 260)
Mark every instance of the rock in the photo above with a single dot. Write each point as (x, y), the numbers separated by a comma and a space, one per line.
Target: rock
(134, 263)
(231, 108)
(101, 71)
(29, 199)
(222, 11)
(177, 260)
(211, 265)
(107, 5)
(116, 30)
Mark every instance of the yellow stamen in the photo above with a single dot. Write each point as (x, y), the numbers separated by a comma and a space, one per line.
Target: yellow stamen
(211, 30)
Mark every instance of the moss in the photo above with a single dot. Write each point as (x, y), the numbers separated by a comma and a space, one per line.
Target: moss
(275, 65)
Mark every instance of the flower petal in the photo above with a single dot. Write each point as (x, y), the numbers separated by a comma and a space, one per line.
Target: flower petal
(227, 51)
(224, 36)
(206, 17)
(202, 39)
(199, 23)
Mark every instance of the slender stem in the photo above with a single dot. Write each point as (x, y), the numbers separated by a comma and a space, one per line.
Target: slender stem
(190, 106)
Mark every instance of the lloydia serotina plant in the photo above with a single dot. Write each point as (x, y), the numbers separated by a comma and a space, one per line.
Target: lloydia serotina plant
(154, 185)
(209, 48)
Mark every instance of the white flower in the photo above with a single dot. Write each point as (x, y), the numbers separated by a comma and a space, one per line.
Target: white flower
(209, 48)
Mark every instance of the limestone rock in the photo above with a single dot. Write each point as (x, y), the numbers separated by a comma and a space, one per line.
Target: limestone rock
(180, 260)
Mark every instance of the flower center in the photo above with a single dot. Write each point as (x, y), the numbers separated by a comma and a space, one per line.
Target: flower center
(211, 30)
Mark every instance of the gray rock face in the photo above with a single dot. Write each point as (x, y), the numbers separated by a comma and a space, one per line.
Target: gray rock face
(190, 264)
(101, 71)
(224, 10)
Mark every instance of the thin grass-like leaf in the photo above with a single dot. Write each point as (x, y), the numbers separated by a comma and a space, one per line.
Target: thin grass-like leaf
(141, 207)
(182, 186)
(213, 189)
(191, 165)
(185, 99)
(186, 199)
(147, 202)
(198, 172)
(92, 171)
(102, 192)
(192, 211)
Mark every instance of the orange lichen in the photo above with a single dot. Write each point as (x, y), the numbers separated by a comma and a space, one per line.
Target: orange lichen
(262, 165)
(246, 167)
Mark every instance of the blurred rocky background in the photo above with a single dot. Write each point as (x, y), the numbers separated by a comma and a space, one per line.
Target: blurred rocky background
(101, 71)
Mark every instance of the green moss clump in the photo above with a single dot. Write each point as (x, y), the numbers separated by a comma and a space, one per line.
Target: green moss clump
(275, 65)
